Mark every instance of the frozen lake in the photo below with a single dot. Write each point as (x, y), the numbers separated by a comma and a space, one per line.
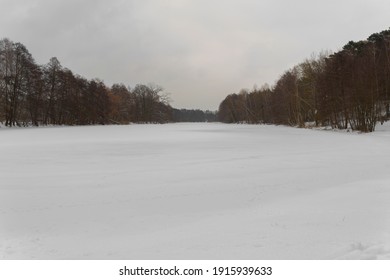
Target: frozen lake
(194, 191)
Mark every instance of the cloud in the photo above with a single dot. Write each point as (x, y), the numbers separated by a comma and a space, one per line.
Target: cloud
(199, 50)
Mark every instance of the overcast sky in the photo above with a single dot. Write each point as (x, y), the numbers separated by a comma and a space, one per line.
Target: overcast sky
(198, 50)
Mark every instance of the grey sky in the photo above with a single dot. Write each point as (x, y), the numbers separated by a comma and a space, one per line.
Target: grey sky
(198, 50)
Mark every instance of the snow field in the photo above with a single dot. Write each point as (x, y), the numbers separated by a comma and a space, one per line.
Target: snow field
(194, 191)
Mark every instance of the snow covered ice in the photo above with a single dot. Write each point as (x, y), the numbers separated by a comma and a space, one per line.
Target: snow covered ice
(194, 191)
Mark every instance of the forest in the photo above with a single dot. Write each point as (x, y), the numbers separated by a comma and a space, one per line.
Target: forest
(50, 94)
(348, 89)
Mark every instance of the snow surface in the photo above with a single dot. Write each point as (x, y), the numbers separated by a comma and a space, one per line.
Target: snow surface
(194, 191)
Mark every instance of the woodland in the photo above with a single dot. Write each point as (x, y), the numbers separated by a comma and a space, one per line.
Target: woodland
(50, 94)
(347, 89)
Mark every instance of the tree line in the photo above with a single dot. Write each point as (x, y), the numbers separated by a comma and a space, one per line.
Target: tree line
(186, 115)
(50, 94)
(346, 89)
